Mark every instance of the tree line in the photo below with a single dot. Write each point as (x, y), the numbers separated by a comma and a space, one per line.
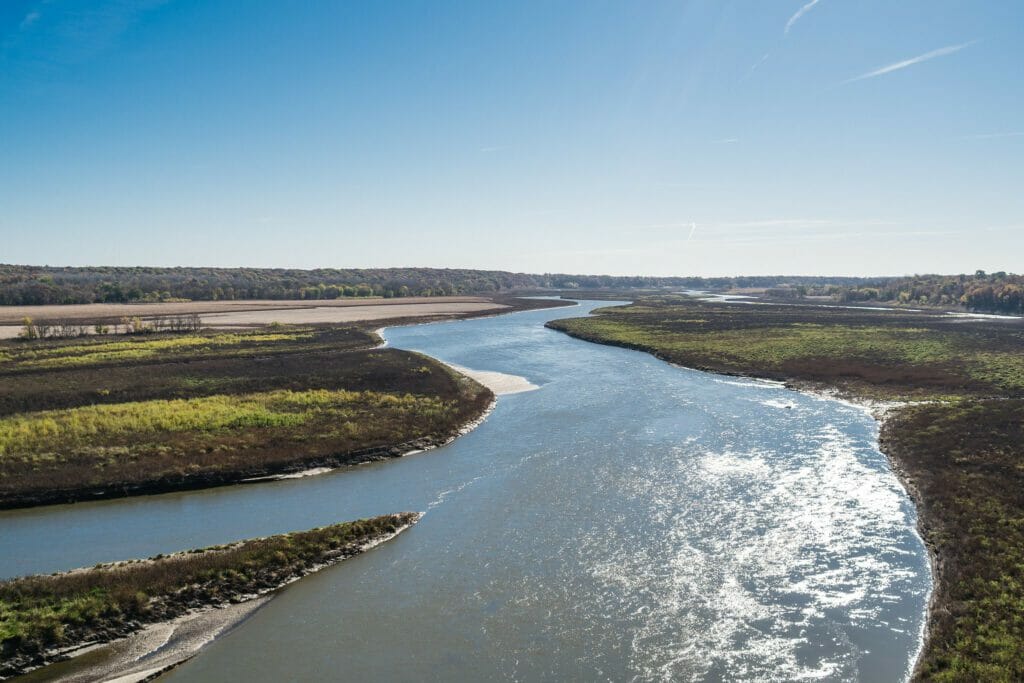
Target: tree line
(1000, 292)
(37, 285)
(66, 329)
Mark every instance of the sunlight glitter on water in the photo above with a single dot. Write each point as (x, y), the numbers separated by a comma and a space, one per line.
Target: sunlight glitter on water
(758, 551)
(628, 520)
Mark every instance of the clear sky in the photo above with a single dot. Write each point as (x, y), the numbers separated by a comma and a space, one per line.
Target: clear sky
(664, 138)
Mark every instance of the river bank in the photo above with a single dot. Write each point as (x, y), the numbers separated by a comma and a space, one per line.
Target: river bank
(103, 417)
(161, 611)
(97, 419)
(666, 521)
(963, 474)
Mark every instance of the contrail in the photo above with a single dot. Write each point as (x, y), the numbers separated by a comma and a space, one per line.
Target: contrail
(941, 52)
(800, 13)
(693, 229)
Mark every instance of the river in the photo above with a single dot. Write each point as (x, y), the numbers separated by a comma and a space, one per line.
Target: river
(628, 520)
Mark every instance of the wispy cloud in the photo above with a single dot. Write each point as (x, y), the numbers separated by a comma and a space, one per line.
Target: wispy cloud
(838, 235)
(490, 150)
(30, 18)
(993, 136)
(790, 223)
(768, 228)
(759, 234)
(75, 35)
(726, 141)
(897, 66)
(757, 65)
(798, 15)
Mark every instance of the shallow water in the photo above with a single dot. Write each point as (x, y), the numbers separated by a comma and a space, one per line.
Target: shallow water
(627, 521)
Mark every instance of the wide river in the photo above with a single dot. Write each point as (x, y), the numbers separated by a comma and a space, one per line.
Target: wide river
(628, 520)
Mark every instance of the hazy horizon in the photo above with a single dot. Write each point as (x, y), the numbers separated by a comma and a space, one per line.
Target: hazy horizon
(670, 139)
(524, 272)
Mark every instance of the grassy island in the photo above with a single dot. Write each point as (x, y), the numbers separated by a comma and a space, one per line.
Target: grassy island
(97, 417)
(958, 444)
(42, 616)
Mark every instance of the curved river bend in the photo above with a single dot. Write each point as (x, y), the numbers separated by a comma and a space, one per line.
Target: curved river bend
(629, 520)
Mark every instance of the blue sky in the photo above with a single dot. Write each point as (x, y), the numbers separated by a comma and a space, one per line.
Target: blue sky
(667, 138)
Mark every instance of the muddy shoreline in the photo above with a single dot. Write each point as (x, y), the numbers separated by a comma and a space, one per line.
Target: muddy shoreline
(475, 408)
(181, 624)
(205, 480)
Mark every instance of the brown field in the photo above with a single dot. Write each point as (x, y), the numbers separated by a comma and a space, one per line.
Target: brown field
(346, 314)
(14, 314)
(255, 312)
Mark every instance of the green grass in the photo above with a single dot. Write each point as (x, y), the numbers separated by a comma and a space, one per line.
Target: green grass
(74, 355)
(40, 612)
(56, 434)
(165, 444)
(872, 354)
(965, 457)
(114, 417)
(775, 345)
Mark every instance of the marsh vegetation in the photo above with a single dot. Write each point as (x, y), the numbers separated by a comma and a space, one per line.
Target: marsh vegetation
(115, 416)
(40, 614)
(880, 354)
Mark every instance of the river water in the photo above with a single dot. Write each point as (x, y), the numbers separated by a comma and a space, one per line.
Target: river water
(628, 520)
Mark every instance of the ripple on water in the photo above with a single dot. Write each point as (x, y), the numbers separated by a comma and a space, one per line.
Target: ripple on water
(627, 521)
(762, 556)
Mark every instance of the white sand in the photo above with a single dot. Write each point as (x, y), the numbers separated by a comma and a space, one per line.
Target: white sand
(498, 382)
(164, 645)
(157, 647)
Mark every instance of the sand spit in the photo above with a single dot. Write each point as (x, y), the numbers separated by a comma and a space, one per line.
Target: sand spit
(155, 649)
(498, 382)
(160, 647)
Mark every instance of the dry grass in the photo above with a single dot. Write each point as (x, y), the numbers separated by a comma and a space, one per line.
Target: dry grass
(113, 416)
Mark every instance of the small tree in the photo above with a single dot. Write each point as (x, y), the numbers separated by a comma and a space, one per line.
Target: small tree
(135, 325)
(29, 331)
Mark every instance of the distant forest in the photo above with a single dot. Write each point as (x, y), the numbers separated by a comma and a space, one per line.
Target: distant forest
(34, 285)
(985, 292)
